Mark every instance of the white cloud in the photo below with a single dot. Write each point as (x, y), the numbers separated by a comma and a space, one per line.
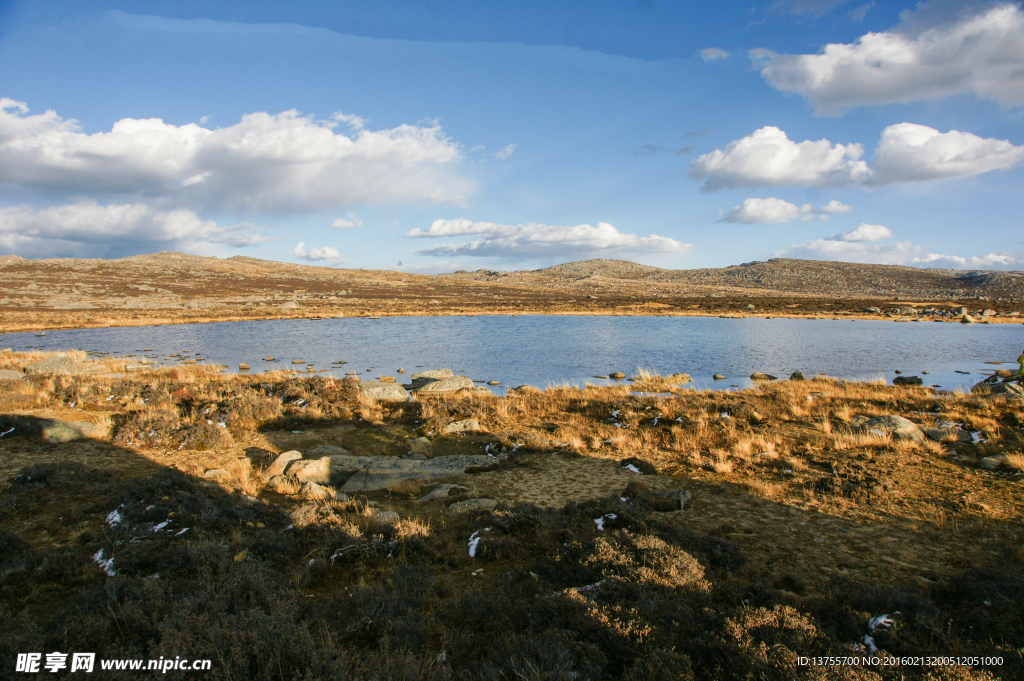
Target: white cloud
(711, 54)
(768, 158)
(899, 253)
(864, 232)
(285, 163)
(980, 53)
(88, 229)
(754, 211)
(504, 153)
(322, 254)
(907, 152)
(497, 240)
(350, 220)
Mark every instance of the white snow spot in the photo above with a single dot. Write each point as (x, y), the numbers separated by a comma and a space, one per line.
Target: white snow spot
(600, 521)
(869, 641)
(976, 438)
(157, 528)
(724, 415)
(114, 517)
(222, 424)
(631, 467)
(181, 532)
(151, 507)
(883, 622)
(474, 541)
(7, 432)
(105, 565)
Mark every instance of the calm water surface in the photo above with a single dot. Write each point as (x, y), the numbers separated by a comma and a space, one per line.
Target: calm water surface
(551, 350)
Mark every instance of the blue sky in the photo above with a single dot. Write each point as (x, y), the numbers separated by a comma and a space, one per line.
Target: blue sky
(507, 135)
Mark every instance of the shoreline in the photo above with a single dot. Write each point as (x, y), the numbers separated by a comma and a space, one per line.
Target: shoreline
(48, 323)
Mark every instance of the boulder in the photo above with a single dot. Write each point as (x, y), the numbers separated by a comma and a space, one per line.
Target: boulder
(280, 464)
(464, 426)
(290, 305)
(719, 377)
(907, 380)
(58, 431)
(242, 366)
(993, 388)
(960, 311)
(896, 427)
(281, 484)
(386, 517)
(525, 388)
(216, 474)
(493, 382)
(312, 490)
(419, 445)
(8, 375)
(618, 375)
(994, 462)
(384, 392)
(797, 376)
(940, 434)
(967, 319)
(472, 505)
(442, 492)
(988, 313)
(447, 385)
(310, 470)
(872, 310)
(758, 376)
(58, 364)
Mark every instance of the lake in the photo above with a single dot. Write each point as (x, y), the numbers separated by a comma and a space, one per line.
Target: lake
(552, 350)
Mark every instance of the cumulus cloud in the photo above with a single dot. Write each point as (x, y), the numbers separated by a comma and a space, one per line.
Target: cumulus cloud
(504, 153)
(907, 152)
(711, 54)
(768, 158)
(860, 245)
(88, 229)
(980, 52)
(285, 163)
(531, 239)
(754, 211)
(326, 254)
(864, 232)
(350, 220)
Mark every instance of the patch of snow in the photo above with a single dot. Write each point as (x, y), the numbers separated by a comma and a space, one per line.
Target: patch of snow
(7, 432)
(181, 532)
(600, 521)
(883, 622)
(114, 517)
(157, 528)
(105, 565)
(976, 437)
(631, 467)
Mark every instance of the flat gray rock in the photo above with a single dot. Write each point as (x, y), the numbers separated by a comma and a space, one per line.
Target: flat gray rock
(56, 430)
(897, 427)
(759, 376)
(472, 505)
(464, 426)
(441, 492)
(991, 463)
(321, 451)
(8, 375)
(940, 434)
(447, 385)
(385, 392)
(58, 364)
(312, 490)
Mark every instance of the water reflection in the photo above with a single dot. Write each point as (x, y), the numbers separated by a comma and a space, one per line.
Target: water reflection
(549, 350)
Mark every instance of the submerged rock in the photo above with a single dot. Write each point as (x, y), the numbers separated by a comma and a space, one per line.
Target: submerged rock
(758, 376)
(908, 380)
